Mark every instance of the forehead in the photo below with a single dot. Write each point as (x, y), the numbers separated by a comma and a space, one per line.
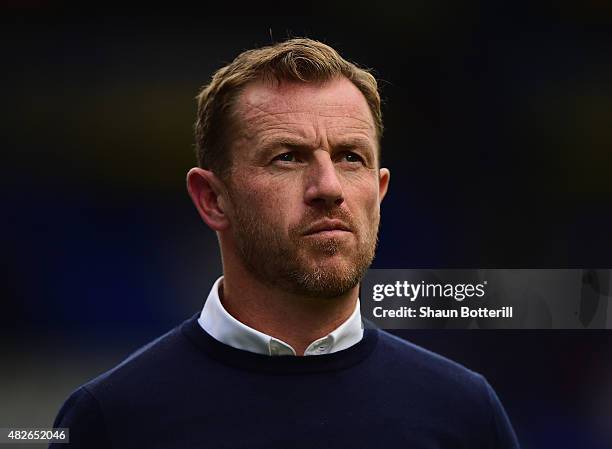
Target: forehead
(305, 108)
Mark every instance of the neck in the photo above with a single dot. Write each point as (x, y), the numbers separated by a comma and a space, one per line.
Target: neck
(294, 319)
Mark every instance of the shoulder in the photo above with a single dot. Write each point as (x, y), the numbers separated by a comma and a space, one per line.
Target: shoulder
(129, 395)
(428, 373)
(406, 354)
(446, 389)
(82, 414)
(159, 361)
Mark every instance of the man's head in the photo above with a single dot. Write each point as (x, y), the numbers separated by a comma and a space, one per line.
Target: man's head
(288, 146)
(300, 60)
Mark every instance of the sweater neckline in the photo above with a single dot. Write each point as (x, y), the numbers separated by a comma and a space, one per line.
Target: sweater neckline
(239, 358)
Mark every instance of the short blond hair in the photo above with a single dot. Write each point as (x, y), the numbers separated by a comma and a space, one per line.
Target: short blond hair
(298, 59)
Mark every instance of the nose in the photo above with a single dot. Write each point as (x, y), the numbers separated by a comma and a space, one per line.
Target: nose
(323, 187)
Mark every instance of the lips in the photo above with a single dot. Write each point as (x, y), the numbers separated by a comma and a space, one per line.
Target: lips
(327, 225)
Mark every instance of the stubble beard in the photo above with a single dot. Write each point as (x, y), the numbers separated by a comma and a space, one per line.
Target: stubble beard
(302, 265)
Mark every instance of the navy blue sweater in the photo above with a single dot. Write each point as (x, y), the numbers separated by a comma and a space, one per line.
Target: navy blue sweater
(187, 390)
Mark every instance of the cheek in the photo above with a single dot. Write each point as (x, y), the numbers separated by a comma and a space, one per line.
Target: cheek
(373, 212)
(363, 193)
(266, 202)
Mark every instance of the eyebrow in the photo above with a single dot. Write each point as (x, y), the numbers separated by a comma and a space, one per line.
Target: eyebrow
(285, 141)
(300, 144)
(355, 142)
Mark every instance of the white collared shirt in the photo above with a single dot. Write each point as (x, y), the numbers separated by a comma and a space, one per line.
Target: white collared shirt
(222, 326)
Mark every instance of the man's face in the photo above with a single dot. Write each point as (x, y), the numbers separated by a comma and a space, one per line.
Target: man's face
(305, 187)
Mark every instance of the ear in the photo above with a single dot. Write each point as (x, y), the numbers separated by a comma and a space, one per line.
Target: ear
(384, 175)
(207, 193)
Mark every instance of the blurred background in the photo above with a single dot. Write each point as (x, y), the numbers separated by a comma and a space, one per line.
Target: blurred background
(498, 123)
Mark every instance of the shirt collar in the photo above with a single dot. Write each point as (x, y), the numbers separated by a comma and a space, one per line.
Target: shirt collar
(222, 326)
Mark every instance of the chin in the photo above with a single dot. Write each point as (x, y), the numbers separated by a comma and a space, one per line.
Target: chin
(329, 248)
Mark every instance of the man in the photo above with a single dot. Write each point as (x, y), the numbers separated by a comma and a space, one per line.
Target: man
(289, 177)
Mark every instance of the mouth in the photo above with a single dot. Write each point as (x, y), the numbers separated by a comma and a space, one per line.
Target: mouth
(328, 228)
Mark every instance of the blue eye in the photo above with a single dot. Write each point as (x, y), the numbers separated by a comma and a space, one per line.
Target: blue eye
(352, 157)
(285, 157)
